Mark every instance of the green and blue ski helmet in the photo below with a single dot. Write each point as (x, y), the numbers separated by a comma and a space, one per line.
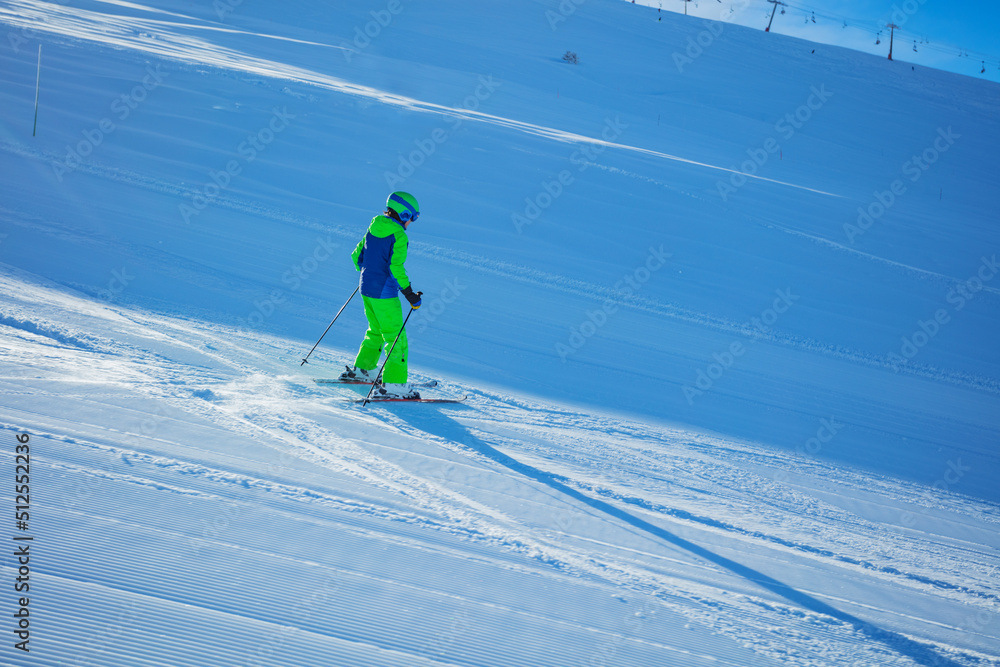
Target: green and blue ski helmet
(404, 205)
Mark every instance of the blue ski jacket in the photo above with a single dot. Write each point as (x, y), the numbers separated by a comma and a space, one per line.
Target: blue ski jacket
(380, 256)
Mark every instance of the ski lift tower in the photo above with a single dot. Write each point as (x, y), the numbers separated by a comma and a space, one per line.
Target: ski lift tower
(775, 3)
(892, 29)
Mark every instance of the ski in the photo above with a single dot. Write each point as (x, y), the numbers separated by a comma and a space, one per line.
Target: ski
(421, 385)
(408, 400)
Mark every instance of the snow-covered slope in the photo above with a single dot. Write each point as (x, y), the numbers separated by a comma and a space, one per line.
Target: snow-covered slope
(715, 417)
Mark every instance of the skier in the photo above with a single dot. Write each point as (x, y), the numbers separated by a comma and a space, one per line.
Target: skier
(380, 257)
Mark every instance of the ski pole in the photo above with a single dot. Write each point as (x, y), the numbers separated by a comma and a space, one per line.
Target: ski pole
(391, 348)
(38, 80)
(306, 359)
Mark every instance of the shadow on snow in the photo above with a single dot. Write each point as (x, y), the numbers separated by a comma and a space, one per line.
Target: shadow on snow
(440, 424)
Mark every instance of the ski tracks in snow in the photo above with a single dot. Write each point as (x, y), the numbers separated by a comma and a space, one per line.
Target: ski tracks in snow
(570, 286)
(609, 502)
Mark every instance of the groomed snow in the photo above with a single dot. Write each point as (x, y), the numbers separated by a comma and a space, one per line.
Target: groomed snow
(714, 417)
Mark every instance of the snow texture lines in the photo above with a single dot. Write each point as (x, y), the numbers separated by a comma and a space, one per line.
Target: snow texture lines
(815, 505)
(97, 27)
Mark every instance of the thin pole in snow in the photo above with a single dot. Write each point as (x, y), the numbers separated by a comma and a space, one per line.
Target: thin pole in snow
(38, 80)
(305, 360)
(387, 355)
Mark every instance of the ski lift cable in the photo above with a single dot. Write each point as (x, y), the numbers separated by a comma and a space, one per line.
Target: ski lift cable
(861, 25)
(875, 30)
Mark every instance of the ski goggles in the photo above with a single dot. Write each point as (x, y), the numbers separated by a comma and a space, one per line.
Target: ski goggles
(408, 214)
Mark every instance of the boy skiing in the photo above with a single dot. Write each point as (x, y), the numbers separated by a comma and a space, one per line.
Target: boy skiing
(380, 257)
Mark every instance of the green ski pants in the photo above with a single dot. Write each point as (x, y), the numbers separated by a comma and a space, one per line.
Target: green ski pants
(385, 320)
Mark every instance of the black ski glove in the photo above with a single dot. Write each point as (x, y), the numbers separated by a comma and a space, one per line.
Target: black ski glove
(412, 297)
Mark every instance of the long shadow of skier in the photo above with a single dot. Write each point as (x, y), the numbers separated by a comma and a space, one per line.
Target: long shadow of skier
(440, 424)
